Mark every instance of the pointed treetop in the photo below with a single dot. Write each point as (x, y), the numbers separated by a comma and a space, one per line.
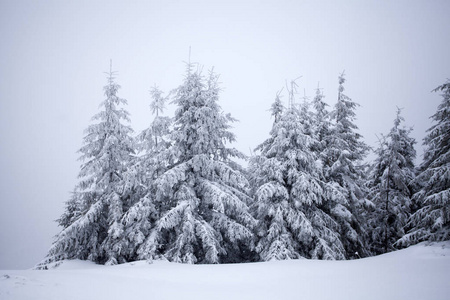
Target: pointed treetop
(319, 91)
(111, 73)
(318, 103)
(399, 118)
(342, 77)
(341, 82)
(159, 102)
(277, 107)
(319, 94)
(190, 64)
(305, 98)
(292, 91)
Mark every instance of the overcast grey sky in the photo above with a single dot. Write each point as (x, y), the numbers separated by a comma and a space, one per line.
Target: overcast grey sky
(53, 55)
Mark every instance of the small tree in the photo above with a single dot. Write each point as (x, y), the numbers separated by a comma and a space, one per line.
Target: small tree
(92, 227)
(390, 187)
(432, 220)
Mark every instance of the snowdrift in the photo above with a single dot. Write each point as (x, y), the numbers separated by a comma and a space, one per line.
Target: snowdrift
(419, 272)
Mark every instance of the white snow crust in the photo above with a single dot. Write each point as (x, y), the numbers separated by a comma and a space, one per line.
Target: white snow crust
(418, 272)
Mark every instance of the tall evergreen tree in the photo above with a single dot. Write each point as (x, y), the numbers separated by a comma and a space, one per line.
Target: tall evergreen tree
(207, 218)
(391, 188)
(344, 173)
(152, 144)
(290, 192)
(92, 227)
(432, 220)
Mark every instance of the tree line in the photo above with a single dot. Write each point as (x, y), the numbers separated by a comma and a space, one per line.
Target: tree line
(177, 192)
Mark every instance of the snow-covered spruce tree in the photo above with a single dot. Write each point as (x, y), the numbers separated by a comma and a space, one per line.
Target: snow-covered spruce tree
(92, 227)
(321, 120)
(151, 161)
(345, 176)
(289, 194)
(391, 188)
(432, 220)
(207, 218)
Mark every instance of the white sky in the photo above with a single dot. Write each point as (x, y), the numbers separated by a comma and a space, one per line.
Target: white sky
(53, 55)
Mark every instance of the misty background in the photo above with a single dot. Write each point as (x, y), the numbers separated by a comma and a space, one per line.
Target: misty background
(53, 55)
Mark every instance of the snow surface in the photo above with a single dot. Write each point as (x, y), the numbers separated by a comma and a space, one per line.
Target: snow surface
(419, 272)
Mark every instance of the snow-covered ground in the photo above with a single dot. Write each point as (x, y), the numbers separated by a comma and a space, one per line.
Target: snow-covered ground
(419, 272)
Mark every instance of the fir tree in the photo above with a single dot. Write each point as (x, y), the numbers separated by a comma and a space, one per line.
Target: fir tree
(92, 227)
(277, 108)
(345, 175)
(152, 144)
(290, 194)
(207, 218)
(432, 220)
(391, 188)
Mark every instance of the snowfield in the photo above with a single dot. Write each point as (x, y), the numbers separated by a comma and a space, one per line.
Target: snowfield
(419, 272)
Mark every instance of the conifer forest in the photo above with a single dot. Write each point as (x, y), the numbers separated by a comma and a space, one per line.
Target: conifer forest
(179, 191)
